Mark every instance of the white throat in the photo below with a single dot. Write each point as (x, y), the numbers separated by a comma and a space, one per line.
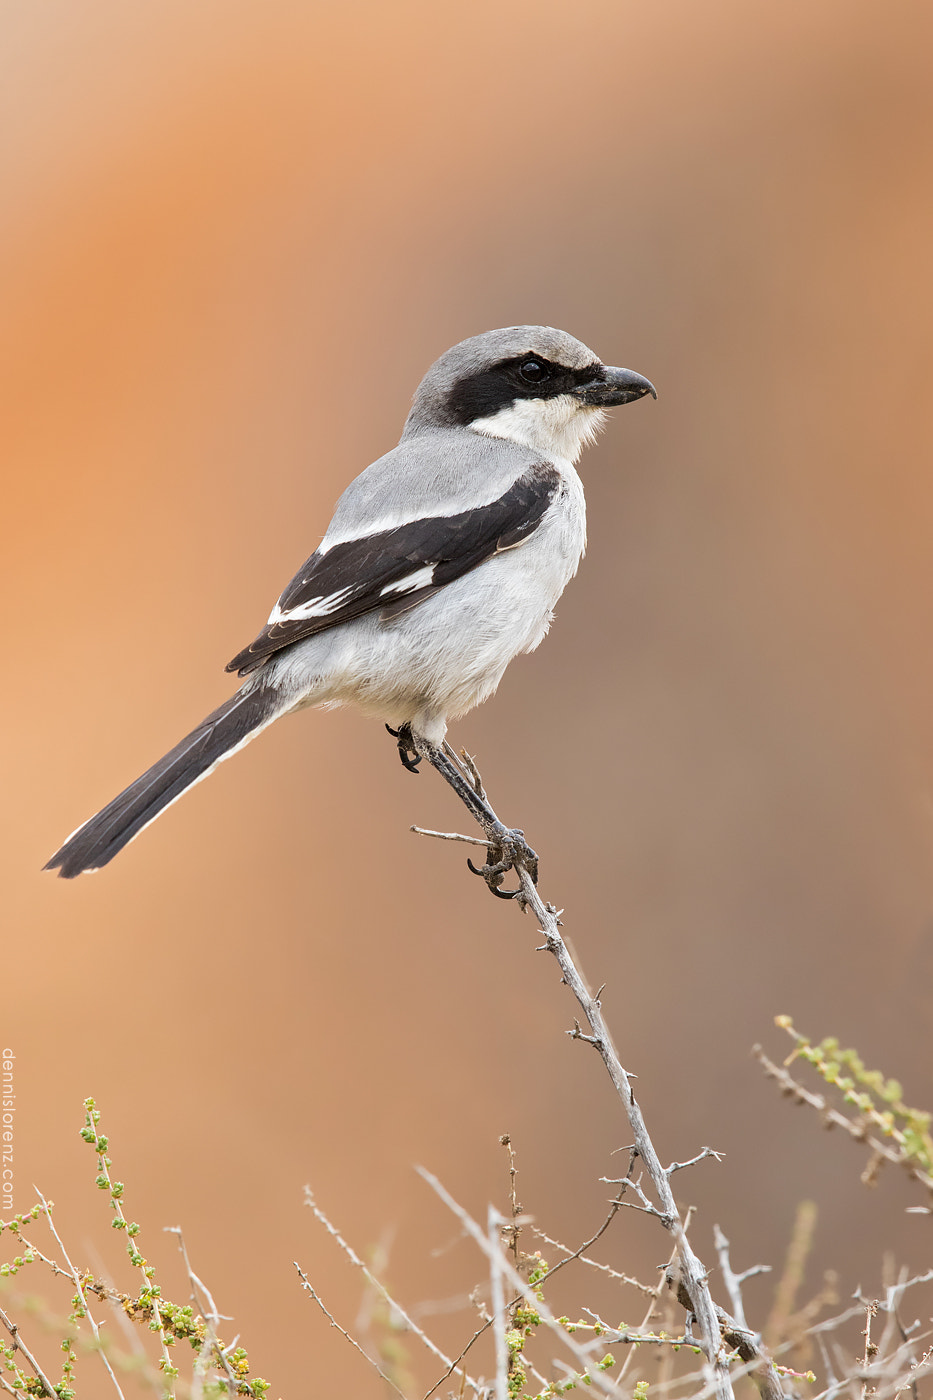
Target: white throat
(561, 426)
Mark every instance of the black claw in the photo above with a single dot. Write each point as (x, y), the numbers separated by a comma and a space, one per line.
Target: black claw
(405, 747)
(489, 873)
(493, 872)
(506, 849)
(498, 867)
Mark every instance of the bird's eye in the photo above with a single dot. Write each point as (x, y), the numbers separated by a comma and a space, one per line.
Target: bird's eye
(533, 371)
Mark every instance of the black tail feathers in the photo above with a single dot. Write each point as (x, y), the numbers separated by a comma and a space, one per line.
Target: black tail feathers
(217, 737)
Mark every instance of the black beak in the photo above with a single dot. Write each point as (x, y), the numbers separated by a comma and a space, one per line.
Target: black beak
(611, 387)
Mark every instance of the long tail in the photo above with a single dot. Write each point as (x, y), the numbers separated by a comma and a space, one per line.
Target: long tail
(224, 732)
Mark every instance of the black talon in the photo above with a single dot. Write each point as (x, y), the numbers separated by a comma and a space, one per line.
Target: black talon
(405, 747)
(498, 867)
(506, 849)
(492, 873)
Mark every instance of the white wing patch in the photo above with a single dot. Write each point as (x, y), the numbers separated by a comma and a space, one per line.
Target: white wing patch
(409, 514)
(313, 607)
(421, 578)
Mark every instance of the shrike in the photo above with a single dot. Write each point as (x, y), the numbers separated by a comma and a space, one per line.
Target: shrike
(443, 561)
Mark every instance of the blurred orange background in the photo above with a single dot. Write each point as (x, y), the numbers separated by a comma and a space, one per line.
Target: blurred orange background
(235, 238)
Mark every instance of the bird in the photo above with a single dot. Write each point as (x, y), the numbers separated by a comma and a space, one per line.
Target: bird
(444, 559)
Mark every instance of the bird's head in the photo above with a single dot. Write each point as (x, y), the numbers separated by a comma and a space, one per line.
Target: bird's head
(530, 384)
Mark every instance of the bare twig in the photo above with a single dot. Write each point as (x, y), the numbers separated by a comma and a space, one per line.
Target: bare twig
(452, 836)
(920, 1367)
(830, 1324)
(456, 1362)
(496, 1261)
(303, 1277)
(607, 1269)
(897, 1290)
(732, 1280)
(700, 1157)
(514, 1228)
(380, 1288)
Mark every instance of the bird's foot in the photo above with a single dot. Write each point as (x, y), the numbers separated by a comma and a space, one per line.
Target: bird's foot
(508, 850)
(408, 754)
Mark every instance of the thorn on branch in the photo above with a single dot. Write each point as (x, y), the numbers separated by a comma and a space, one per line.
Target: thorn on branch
(578, 1034)
(700, 1157)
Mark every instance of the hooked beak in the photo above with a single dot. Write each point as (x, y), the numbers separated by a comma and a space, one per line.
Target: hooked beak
(611, 387)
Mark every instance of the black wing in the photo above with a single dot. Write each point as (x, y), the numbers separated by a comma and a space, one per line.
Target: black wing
(394, 570)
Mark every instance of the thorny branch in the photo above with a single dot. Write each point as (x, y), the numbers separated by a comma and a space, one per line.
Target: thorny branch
(688, 1278)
